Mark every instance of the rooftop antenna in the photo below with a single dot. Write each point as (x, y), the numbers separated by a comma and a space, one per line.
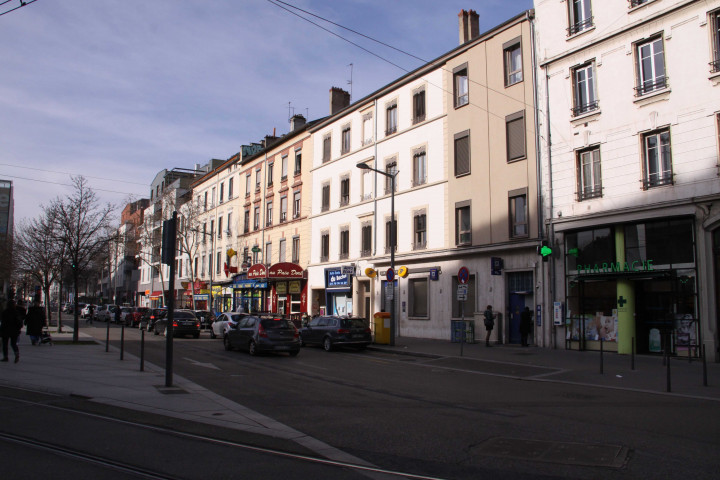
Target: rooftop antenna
(351, 80)
(291, 111)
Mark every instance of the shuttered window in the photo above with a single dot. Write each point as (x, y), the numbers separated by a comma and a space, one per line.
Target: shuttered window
(515, 136)
(462, 153)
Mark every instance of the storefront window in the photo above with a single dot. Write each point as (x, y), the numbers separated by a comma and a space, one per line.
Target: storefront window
(668, 242)
(590, 247)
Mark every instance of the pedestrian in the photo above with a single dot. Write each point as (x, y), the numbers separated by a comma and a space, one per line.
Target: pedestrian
(117, 314)
(526, 325)
(489, 323)
(10, 326)
(35, 321)
(91, 314)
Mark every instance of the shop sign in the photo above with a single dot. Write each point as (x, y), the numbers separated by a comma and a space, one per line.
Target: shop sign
(335, 278)
(294, 287)
(202, 296)
(257, 271)
(617, 267)
(217, 289)
(434, 274)
(281, 288)
(249, 284)
(285, 270)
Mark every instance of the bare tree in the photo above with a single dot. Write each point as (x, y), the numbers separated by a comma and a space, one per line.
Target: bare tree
(189, 235)
(81, 223)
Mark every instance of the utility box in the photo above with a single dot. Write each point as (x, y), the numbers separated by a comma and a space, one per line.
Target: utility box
(381, 327)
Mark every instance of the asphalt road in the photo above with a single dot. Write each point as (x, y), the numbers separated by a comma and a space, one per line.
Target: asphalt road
(442, 418)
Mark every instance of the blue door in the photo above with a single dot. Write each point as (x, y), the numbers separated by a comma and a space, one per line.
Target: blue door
(517, 305)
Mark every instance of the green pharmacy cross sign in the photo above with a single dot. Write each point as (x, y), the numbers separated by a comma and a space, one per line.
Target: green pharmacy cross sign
(621, 301)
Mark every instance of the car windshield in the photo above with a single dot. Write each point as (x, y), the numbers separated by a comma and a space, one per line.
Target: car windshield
(274, 323)
(353, 323)
(184, 315)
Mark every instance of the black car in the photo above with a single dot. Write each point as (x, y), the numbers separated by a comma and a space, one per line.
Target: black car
(206, 318)
(184, 323)
(150, 317)
(263, 333)
(330, 331)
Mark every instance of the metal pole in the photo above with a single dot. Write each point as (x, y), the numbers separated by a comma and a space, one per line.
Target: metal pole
(705, 382)
(107, 336)
(393, 241)
(142, 350)
(462, 336)
(171, 310)
(667, 354)
(601, 356)
(122, 340)
(632, 354)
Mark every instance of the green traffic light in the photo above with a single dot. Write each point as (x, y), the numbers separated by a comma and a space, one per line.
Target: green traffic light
(545, 251)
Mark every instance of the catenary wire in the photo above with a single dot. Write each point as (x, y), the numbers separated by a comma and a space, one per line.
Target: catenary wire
(23, 3)
(68, 173)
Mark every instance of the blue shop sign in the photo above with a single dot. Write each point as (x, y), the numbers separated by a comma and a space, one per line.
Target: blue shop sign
(334, 278)
(247, 284)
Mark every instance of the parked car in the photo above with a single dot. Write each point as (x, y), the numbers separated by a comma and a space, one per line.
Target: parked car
(85, 312)
(150, 317)
(126, 315)
(206, 318)
(221, 324)
(266, 333)
(105, 313)
(136, 316)
(330, 331)
(184, 323)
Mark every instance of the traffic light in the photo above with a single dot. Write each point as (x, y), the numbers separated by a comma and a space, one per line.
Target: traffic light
(544, 250)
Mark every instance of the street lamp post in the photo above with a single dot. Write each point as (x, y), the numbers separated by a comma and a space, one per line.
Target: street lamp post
(393, 233)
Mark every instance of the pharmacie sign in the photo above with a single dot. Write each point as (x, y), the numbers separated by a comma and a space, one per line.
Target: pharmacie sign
(616, 267)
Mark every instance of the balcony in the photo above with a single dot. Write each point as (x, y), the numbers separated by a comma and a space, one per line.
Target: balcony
(419, 245)
(580, 26)
(588, 107)
(715, 66)
(648, 86)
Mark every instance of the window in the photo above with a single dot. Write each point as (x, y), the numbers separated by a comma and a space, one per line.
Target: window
(418, 297)
(283, 209)
(296, 205)
(222, 193)
(512, 54)
(229, 224)
(715, 33)
(204, 237)
(195, 270)
(589, 179)
(270, 170)
(246, 221)
(367, 184)
(419, 106)
(268, 253)
(212, 198)
(366, 247)
(203, 265)
(281, 251)
(206, 201)
(218, 259)
(268, 214)
(283, 167)
(515, 136)
(247, 185)
(657, 159)
(390, 235)
(325, 205)
(463, 225)
(460, 86)
(580, 15)
(298, 162)
(230, 188)
(296, 249)
(344, 243)
(584, 89)
(326, 148)
(367, 129)
(635, 3)
(391, 119)
(344, 191)
(212, 228)
(257, 180)
(462, 153)
(518, 214)
(324, 246)
(419, 231)
(257, 218)
(345, 140)
(419, 168)
(391, 168)
(650, 67)
(220, 230)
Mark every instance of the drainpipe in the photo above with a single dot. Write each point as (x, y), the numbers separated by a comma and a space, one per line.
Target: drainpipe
(551, 225)
(375, 154)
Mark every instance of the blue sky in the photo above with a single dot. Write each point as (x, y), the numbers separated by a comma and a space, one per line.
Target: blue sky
(117, 90)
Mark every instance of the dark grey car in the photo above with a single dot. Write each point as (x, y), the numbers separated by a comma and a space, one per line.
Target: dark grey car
(330, 331)
(267, 333)
(184, 323)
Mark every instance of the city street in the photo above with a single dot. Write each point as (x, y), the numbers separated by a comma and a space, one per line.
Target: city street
(451, 417)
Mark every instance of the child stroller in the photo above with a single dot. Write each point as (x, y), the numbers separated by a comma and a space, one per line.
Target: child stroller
(45, 338)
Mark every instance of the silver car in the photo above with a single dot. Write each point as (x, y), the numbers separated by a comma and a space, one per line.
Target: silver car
(223, 322)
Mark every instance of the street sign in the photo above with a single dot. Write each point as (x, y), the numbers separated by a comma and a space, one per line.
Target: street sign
(390, 275)
(348, 270)
(255, 249)
(389, 291)
(462, 292)
(463, 275)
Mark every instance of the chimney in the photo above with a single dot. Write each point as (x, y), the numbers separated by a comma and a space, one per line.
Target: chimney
(339, 99)
(296, 122)
(469, 25)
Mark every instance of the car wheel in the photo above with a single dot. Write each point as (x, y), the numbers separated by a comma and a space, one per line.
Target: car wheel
(212, 333)
(226, 343)
(155, 332)
(252, 348)
(196, 335)
(361, 347)
(294, 353)
(327, 344)
(165, 332)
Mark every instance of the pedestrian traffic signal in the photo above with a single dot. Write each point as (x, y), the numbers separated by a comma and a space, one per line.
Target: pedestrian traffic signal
(544, 250)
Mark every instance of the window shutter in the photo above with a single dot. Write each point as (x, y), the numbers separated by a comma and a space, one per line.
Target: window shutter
(515, 130)
(462, 155)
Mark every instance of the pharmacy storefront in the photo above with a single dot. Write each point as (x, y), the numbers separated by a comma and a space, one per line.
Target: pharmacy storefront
(631, 286)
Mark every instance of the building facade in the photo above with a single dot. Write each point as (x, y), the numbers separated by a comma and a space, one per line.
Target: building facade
(630, 115)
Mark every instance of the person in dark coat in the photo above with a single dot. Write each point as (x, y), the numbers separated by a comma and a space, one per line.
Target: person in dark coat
(117, 314)
(35, 321)
(489, 323)
(526, 325)
(10, 326)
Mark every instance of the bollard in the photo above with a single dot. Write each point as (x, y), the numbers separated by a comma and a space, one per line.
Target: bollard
(122, 341)
(142, 350)
(107, 337)
(632, 354)
(601, 356)
(667, 354)
(689, 353)
(705, 384)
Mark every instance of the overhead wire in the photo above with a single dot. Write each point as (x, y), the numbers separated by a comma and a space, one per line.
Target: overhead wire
(67, 184)
(69, 173)
(23, 3)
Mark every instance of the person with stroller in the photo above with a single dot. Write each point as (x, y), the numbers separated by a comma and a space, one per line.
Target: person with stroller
(10, 326)
(35, 321)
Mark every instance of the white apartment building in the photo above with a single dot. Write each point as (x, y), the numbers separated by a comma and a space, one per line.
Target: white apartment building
(443, 129)
(629, 128)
